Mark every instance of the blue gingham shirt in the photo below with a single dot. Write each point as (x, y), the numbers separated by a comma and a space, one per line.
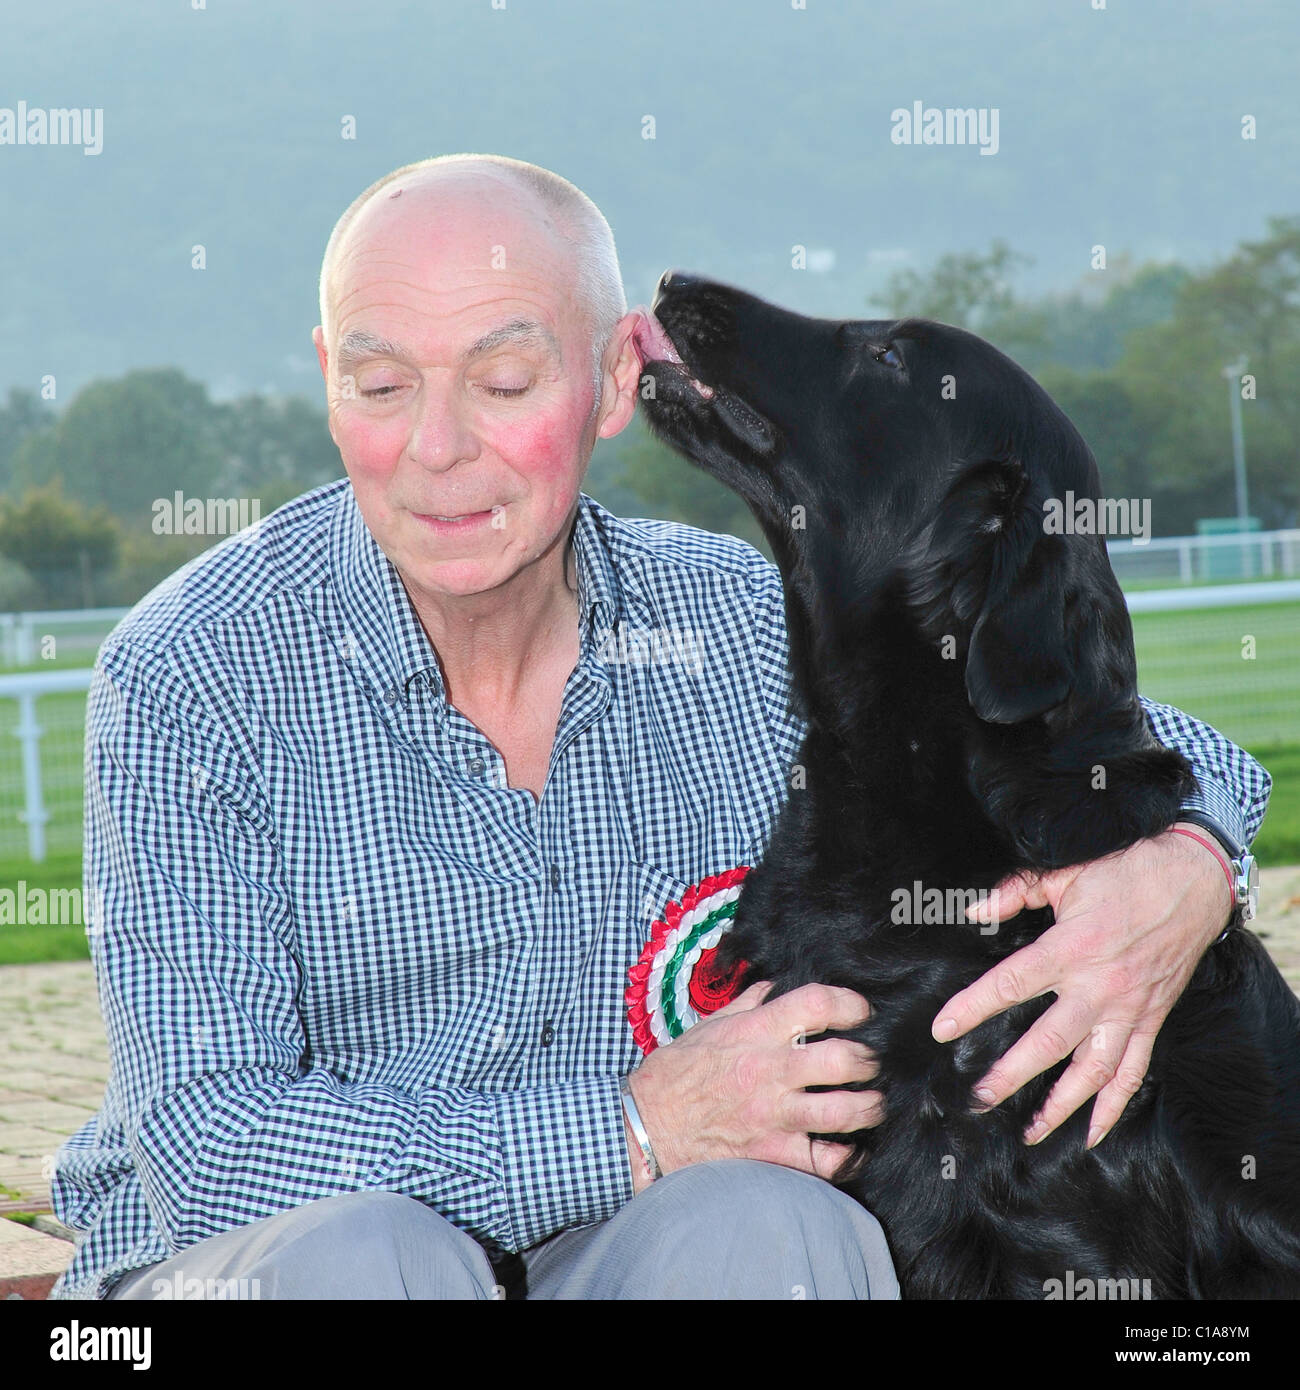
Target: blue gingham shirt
(335, 950)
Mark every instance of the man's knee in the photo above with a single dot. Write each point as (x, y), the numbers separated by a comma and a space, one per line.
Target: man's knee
(744, 1185)
(372, 1244)
(388, 1231)
(763, 1211)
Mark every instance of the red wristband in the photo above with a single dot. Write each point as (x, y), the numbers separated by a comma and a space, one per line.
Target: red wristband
(1218, 854)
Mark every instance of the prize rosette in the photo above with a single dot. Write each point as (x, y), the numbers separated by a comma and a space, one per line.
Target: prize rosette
(676, 981)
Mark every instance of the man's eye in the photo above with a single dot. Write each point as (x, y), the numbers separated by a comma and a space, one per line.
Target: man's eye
(380, 390)
(505, 390)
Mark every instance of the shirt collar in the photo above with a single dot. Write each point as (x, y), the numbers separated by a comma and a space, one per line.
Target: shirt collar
(379, 627)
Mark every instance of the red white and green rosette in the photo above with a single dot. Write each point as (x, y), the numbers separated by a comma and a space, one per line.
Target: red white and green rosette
(676, 981)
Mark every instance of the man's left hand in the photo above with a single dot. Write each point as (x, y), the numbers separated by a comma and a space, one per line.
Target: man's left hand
(1129, 931)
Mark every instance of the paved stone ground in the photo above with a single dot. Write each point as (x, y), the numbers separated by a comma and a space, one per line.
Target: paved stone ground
(56, 1063)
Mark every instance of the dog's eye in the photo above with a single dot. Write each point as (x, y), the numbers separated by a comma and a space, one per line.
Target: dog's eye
(888, 354)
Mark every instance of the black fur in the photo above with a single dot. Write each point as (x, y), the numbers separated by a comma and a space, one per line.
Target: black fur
(964, 674)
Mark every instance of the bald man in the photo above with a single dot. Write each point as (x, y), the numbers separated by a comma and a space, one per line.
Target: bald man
(379, 819)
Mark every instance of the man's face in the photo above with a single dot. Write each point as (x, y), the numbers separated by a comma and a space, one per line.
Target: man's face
(460, 383)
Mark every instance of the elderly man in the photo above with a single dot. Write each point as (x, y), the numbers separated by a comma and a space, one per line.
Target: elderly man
(377, 821)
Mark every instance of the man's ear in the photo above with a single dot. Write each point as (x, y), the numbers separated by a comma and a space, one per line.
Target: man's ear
(322, 352)
(621, 379)
(323, 357)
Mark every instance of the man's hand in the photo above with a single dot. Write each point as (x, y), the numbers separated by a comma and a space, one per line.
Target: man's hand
(1129, 931)
(733, 1085)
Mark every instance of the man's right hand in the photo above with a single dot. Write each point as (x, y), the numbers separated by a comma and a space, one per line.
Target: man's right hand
(733, 1085)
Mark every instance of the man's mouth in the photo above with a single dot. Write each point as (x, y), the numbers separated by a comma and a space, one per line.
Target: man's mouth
(654, 345)
(462, 518)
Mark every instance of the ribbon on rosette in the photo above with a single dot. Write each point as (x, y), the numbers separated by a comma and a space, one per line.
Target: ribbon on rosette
(677, 981)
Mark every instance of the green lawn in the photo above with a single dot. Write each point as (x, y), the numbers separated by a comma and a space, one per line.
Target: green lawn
(1193, 660)
(1249, 690)
(24, 945)
(1278, 841)
(1165, 581)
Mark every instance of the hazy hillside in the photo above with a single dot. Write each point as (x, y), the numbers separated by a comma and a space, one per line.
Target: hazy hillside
(222, 128)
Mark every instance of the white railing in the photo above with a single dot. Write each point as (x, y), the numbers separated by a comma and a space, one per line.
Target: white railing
(26, 689)
(1213, 596)
(18, 631)
(1195, 559)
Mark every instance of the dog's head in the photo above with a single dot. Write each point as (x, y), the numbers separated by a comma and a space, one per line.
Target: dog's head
(905, 458)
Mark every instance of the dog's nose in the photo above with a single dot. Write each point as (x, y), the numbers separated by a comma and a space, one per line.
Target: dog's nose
(675, 279)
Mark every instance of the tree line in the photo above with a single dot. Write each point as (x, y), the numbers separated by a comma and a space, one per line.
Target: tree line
(1135, 356)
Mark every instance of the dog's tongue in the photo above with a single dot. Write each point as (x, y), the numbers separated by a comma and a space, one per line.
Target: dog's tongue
(655, 345)
(651, 341)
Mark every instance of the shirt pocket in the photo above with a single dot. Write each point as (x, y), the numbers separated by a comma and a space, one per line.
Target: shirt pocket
(654, 888)
(640, 893)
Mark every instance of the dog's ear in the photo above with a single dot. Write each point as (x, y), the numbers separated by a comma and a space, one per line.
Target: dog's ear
(986, 566)
(1019, 664)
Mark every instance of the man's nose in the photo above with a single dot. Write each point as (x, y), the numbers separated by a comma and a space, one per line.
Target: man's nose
(441, 434)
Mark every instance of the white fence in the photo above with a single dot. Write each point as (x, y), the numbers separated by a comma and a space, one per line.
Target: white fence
(80, 628)
(1195, 663)
(1203, 559)
(1213, 596)
(26, 690)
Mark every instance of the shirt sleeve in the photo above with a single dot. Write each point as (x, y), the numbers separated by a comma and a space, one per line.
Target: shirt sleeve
(1233, 788)
(193, 940)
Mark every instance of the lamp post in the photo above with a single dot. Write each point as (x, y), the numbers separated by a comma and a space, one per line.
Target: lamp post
(1233, 373)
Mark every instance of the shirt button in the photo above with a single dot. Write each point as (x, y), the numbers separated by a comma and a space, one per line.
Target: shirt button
(555, 875)
(390, 696)
(548, 1033)
(476, 766)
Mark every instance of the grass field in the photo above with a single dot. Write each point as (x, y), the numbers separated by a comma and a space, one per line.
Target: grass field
(1200, 661)
(1195, 660)
(1239, 670)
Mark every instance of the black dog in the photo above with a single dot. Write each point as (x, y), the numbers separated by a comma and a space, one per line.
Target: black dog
(970, 689)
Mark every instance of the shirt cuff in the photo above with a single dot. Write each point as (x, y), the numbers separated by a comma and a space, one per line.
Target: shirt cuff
(565, 1155)
(1231, 787)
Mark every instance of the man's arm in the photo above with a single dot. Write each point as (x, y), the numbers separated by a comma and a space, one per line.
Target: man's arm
(1130, 930)
(1234, 788)
(195, 942)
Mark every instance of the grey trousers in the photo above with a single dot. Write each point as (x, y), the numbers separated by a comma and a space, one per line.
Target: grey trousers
(728, 1229)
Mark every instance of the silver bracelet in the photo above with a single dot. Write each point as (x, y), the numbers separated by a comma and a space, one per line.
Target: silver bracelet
(638, 1129)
